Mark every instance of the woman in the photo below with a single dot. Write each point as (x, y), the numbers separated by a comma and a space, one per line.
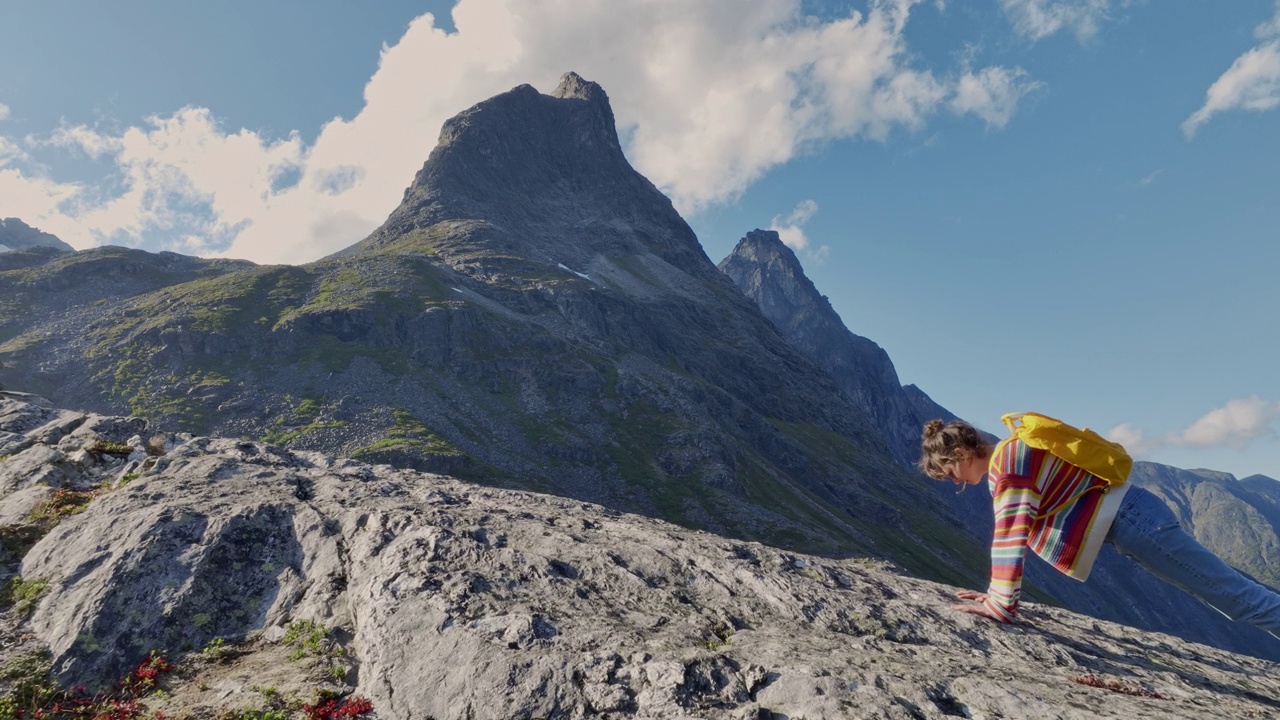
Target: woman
(1065, 514)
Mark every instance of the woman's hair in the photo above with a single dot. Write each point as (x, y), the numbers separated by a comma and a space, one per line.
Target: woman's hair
(939, 442)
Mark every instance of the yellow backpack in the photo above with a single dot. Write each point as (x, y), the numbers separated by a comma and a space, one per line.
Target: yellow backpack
(1085, 448)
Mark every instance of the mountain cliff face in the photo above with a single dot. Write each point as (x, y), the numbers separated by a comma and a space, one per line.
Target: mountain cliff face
(1237, 520)
(269, 580)
(534, 314)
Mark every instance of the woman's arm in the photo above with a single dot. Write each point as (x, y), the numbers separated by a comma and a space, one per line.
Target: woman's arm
(1015, 504)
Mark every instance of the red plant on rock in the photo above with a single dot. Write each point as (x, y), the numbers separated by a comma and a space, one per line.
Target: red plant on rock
(120, 703)
(330, 709)
(1116, 686)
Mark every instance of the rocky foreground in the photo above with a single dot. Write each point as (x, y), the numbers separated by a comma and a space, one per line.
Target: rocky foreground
(272, 579)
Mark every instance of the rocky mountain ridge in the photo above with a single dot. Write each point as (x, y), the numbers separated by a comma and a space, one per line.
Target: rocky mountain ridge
(1239, 519)
(431, 597)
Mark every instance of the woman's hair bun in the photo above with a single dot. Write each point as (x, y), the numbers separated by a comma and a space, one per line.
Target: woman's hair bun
(933, 427)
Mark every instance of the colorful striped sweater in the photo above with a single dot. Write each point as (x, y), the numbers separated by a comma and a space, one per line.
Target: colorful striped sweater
(1040, 501)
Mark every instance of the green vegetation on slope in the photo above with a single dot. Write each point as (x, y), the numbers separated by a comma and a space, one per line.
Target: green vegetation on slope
(408, 434)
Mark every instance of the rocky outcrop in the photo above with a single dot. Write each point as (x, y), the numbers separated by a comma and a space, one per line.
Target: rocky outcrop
(450, 600)
(17, 235)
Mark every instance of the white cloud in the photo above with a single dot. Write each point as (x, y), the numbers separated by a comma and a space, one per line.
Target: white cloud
(4, 111)
(790, 228)
(1251, 83)
(711, 95)
(1132, 438)
(1038, 19)
(1270, 28)
(181, 174)
(91, 142)
(37, 197)
(1235, 424)
(10, 152)
(992, 94)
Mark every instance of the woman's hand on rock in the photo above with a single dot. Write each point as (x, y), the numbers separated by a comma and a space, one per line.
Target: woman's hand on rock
(977, 607)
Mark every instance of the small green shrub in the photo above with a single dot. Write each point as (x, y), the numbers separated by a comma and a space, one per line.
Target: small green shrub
(29, 674)
(102, 447)
(62, 504)
(308, 638)
(23, 594)
(218, 650)
(721, 635)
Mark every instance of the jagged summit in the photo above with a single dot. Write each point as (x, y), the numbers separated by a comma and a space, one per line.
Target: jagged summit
(539, 177)
(572, 85)
(771, 269)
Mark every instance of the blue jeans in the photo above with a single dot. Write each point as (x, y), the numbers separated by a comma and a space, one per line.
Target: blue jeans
(1146, 531)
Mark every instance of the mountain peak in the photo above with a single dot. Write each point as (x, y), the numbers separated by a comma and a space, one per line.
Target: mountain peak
(573, 86)
(765, 269)
(539, 177)
(769, 273)
(767, 246)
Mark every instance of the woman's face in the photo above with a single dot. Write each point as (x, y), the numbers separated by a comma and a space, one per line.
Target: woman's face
(966, 468)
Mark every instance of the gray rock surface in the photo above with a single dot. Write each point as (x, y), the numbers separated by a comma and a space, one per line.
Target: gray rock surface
(459, 601)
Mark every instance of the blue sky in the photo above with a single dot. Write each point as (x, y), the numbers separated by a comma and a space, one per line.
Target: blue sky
(1068, 206)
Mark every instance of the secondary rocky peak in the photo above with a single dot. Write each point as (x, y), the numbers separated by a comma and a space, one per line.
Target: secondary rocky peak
(768, 271)
(572, 85)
